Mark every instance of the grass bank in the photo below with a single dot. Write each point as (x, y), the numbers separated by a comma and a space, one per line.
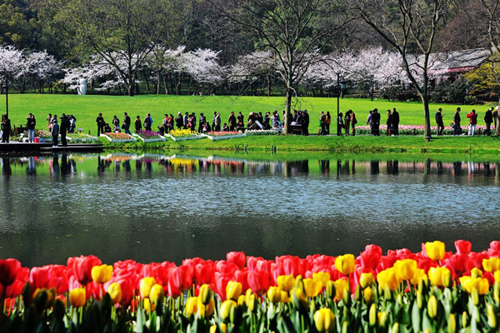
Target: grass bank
(360, 144)
(86, 108)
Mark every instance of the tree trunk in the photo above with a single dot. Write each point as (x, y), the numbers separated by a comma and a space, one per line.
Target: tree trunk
(269, 86)
(165, 83)
(288, 108)
(427, 131)
(158, 83)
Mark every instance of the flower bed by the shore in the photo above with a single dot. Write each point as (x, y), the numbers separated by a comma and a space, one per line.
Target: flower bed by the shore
(119, 137)
(417, 130)
(148, 136)
(184, 134)
(400, 291)
(214, 136)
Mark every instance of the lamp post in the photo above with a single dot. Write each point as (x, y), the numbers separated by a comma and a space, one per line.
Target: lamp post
(340, 86)
(5, 88)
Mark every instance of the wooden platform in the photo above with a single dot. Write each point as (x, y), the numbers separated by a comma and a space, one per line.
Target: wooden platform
(13, 147)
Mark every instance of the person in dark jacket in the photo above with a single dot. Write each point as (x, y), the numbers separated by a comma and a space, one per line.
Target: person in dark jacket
(231, 121)
(126, 123)
(148, 122)
(63, 129)
(389, 122)
(179, 121)
(375, 122)
(347, 122)
(395, 122)
(5, 125)
(54, 131)
(457, 130)
(100, 124)
(340, 123)
(305, 125)
(439, 122)
(488, 119)
(30, 126)
(202, 121)
(138, 124)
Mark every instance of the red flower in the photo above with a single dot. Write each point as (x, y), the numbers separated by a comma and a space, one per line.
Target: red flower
(242, 277)
(9, 268)
(127, 290)
(495, 246)
(225, 267)
(16, 288)
(220, 282)
(258, 264)
(289, 265)
(370, 257)
(460, 263)
(82, 267)
(172, 290)
(182, 277)
(204, 272)
(237, 258)
(258, 281)
(463, 247)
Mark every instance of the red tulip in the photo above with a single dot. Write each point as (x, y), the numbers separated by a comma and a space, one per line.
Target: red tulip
(237, 258)
(371, 256)
(127, 290)
(258, 264)
(289, 265)
(425, 263)
(460, 262)
(204, 272)
(9, 268)
(258, 281)
(182, 277)
(242, 277)
(82, 267)
(16, 288)
(495, 246)
(226, 267)
(172, 290)
(463, 247)
(220, 282)
(476, 260)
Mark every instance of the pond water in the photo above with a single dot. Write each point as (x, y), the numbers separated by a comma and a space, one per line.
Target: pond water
(155, 208)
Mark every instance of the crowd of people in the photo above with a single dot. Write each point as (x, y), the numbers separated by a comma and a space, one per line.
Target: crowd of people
(490, 117)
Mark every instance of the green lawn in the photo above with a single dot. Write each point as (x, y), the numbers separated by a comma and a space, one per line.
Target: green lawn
(86, 108)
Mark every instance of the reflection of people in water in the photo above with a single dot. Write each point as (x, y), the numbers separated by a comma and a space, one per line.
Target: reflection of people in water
(55, 164)
(374, 168)
(6, 168)
(31, 169)
(65, 167)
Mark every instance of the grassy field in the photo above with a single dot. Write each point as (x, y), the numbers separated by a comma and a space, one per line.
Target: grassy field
(463, 145)
(86, 108)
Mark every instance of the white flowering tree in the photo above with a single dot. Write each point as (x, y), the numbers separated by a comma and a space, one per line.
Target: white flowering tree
(204, 69)
(252, 67)
(161, 62)
(41, 68)
(12, 63)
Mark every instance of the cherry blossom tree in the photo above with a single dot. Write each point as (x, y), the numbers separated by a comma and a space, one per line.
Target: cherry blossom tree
(12, 63)
(203, 68)
(252, 67)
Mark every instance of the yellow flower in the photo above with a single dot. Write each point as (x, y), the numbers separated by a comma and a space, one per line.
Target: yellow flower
(435, 250)
(432, 306)
(191, 306)
(312, 288)
(322, 277)
(250, 300)
(115, 292)
(418, 276)
(366, 280)
(148, 306)
(301, 298)
(382, 318)
(470, 284)
(205, 294)
(274, 294)
(77, 297)
(405, 269)
(388, 278)
(156, 294)
(497, 276)
(286, 282)
(102, 274)
(340, 286)
(368, 295)
(226, 307)
(145, 286)
(476, 272)
(372, 315)
(210, 308)
(440, 276)
(233, 290)
(223, 328)
(284, 297)
(324, 320)
(345, 264)
(491, 265)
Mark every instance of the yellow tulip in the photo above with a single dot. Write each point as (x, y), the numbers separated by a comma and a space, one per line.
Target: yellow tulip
(274, 294)
(233, 290)
(156, 294)
(145, 286)
(301, 298)
(148, 306)
(322, 277)
(388, 278)
(476, 272)
(432, 306)
(492, 318)
(491, 265)
(452, 323)
(284, 297)
(115, 292)
(382, 318)
(226, 307)
(368, 295)
(470, 284)
(222, 326)
(102, 274)
(366, 280)
(312, 288)
(405, 269)
(340, 286)
(372, 316)
(77, 297)
(250, 300)
(497, 277)
(345, 264)
(324, 320)
(418, 276)
(191, 306)
(210, 308)
(435, 250)
(205, 294)
(286, 282)
(440, 276)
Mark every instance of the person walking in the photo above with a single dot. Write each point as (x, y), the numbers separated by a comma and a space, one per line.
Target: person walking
(457, 130)
(328, 122)
(30, 126)
(126, 123)
(395, 122)
(100, 124)
(369, 121)
(148, 122)
(347, 122)
(138, 124)
(179, 121)
(185, 120)
(305, 127)
(439, 122)
(55, 131)
(389, 122)
(354, 121)
(322, 123)
(231, 120)
(340, 123)
(472, 122)
(218, 122)
(63, 128)
(488, 119)
(375, 121)
(72, 124)
(213, 121)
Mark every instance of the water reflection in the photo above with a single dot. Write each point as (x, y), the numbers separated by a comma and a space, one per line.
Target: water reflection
(155, 207)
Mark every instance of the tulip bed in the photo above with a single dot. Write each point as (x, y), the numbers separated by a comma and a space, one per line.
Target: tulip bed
(417, 130)
(428, 291)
